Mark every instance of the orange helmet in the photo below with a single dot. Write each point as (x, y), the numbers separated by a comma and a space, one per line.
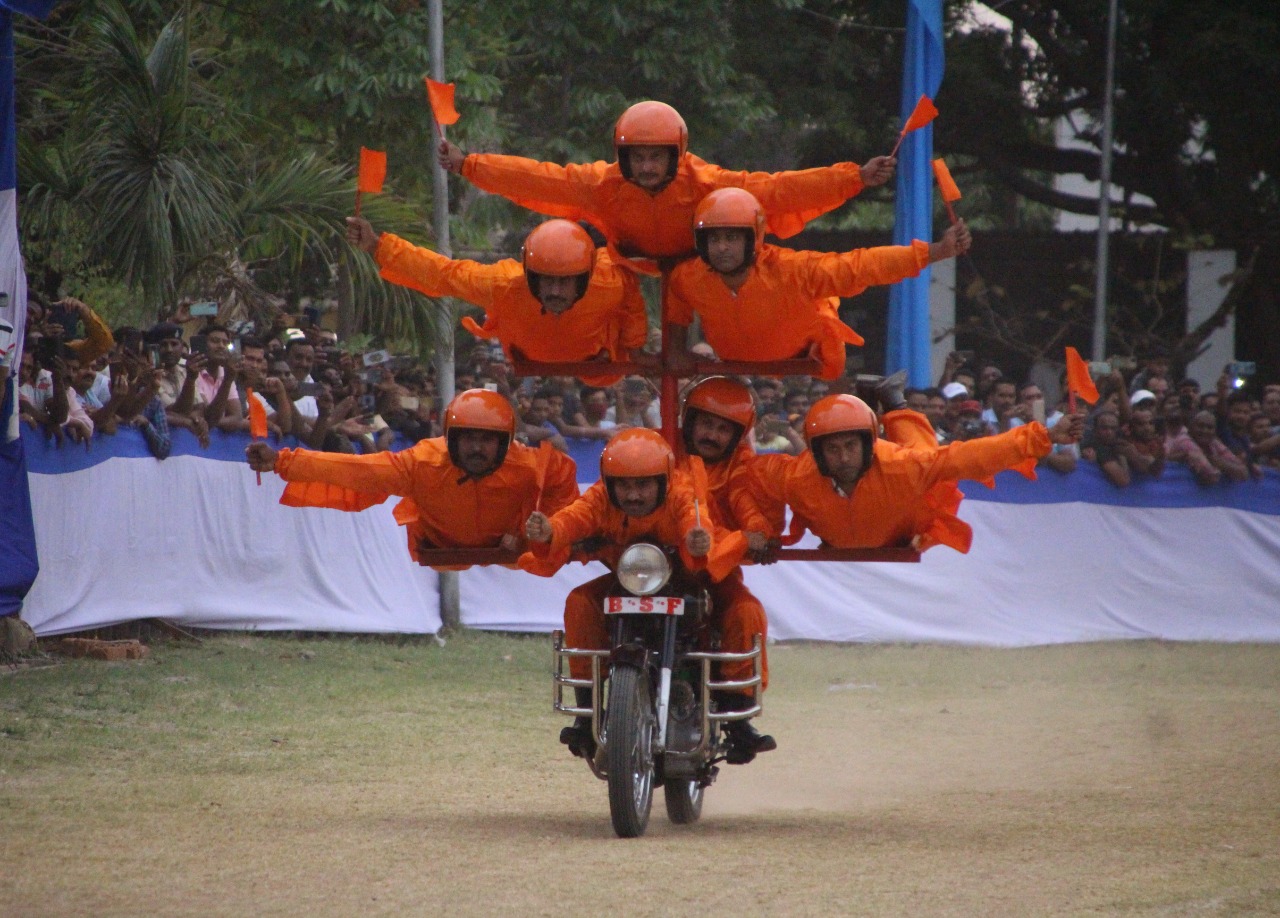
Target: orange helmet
(650, 124)
(558, 248)
(729, 208)
(637, 452)
(723, 397)
(479, 409)
(837, 414)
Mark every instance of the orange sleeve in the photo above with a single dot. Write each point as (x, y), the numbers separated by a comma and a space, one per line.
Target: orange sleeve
(96, 342)
(580, 519)
(978, 459)
(746, 510)
(822, 274)
(680, 504)
(792, 199)
(679, 307)
(560, 487)
(421, 269)
(383, 473)
(558, 191)
(767, 484)
(634, 331)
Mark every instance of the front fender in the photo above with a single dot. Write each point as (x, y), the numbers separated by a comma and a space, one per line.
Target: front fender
(632, 653)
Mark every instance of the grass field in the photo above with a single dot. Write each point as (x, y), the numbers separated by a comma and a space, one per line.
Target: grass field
(259, 775)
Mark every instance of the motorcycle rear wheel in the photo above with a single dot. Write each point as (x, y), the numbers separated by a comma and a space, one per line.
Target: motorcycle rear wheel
(629, 735)
(684, 800)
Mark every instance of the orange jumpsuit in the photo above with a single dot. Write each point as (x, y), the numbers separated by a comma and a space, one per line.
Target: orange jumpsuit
(908, 491)
(441, 506)
(609, 318)
(789, 301)
(741, 614)
(639, 222)
(593, 514)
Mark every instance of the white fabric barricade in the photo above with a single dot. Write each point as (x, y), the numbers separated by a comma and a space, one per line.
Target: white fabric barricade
(1068, 558)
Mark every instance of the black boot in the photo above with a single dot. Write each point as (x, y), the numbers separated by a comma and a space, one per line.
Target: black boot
(744, 740)
(578, 737)
(891, 392)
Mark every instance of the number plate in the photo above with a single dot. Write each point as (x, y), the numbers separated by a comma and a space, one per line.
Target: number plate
(644, 605)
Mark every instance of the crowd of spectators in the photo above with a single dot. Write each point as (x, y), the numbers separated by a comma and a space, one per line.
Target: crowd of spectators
(79, 379)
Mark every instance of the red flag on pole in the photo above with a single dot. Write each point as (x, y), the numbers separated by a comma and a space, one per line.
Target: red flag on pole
(257, 420)
(440, 98)
(947, 185)
(925, 111)
(373, 169)
(1079, 382)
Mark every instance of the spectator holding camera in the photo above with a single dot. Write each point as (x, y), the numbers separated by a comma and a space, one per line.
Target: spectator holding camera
(1264, 443)
(215, 382)
(1101, 446)
(177, 390)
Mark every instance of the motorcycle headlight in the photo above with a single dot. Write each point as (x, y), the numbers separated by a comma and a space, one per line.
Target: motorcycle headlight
(643, 569)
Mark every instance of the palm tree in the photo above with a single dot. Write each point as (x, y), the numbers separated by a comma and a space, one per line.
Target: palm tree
(174, 196)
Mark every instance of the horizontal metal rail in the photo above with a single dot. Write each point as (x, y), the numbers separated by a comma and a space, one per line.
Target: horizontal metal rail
(456, 557)
(827, 553)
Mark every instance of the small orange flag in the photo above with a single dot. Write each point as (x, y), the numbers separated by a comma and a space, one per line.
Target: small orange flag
(257, 417)
(1079, 382)
(257, 420)
(373, 169)
(946, 184)
(440, 96)
(924, 112)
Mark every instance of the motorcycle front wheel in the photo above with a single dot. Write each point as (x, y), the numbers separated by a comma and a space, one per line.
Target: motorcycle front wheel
(684, 800)
(629, 729)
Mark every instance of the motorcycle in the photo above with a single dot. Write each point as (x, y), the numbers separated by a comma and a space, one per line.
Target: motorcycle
(657, 723)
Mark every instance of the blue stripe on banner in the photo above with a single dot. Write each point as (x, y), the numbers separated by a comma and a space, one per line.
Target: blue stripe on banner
(1175, 489)
(922, 67)
(18, 561)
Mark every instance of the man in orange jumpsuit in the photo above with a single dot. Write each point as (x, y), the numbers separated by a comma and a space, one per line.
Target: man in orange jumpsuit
(855, 489)
(563, 302)
(644, 201)
(640, 495)
(716, 416)
(762, 302)
(471, 488)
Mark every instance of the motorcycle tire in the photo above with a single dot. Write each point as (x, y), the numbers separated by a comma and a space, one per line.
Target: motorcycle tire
(629, 722)
(684, 800)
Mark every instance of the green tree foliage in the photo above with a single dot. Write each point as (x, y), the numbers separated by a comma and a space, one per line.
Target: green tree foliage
(1196, 127)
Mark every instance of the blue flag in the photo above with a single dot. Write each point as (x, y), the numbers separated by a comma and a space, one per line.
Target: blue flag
(18, 562)
(909, 338)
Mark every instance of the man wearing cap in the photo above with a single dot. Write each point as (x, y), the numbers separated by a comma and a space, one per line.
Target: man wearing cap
(472, 488)
(954, 393)
(562, 302)
(643, 201)
(856, 489)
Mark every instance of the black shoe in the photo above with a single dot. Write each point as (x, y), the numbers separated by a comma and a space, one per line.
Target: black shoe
(579, 739)
(745, 742)
(891, 392)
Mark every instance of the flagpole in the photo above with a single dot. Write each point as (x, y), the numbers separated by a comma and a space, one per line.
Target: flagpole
(450, 594)
(1104, 192)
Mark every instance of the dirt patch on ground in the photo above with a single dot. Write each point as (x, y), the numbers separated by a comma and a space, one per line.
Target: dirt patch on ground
(1116, 779)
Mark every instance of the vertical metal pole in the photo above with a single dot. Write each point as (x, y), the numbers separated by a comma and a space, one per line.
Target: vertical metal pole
(450, 594)
(1104, 192)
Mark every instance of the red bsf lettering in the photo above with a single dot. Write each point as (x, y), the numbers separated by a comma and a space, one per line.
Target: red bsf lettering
(646, 605)
(671, 605)
(615, 604)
